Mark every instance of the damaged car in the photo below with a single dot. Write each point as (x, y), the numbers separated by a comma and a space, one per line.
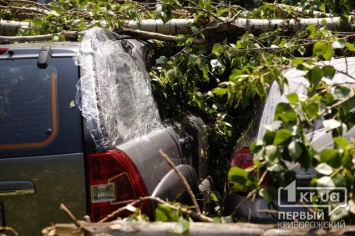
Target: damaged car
(79, 126)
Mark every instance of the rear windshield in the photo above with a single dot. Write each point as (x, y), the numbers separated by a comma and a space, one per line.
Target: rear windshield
(27, 105)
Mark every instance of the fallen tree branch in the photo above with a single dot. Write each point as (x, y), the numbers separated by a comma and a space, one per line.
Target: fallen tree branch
(262, 25)
(36, 10)
(186, 211)
(187, 186)
(182, 26)
(152, 35)
(26, 2)
(68, 35)
(6, 228)
(302, 11)
(71, 216)
(172, 27)
(120, 228)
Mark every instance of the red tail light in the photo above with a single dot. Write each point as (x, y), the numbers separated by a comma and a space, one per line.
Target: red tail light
(242, 158)
(3, 50)
(113, 181)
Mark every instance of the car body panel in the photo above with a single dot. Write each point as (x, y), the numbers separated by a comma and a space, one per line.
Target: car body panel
(55, 169)
(57, 179)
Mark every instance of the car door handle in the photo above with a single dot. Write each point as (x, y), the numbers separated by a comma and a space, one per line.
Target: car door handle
(11, 188)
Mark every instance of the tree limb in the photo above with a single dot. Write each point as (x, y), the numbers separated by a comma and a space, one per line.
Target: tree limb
(187, 186)
(152, 35)
(186, 211)
(68, 35)
(37, 10)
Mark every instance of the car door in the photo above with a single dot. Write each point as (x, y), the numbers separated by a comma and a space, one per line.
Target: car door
(41, 150)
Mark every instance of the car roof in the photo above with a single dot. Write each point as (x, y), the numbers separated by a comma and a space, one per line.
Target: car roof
(31, 50)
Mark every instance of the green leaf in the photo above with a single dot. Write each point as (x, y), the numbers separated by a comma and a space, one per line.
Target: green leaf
(235, 74)
(285, 113)
(269, 194)
(323, 49)
(161, 60)
(181, 40)
(217, 48)
(324, 169)
(311, 109)
(331, 157)
(37, 22)
(292, 98)
(269, 136)
(350, 46)
(302, 50)
(217, 66)
(270, 152)
(315, 75)
(220, 91)
(349, 104)
(213, 196)
(275, 168)
(311, 30)
(164, 214)
(295, 150)
(297, 61)
(282, 137)
(227, 219)
(341, 92)
(341, 141)
(181, 226)
(329, 72)
(238, 177)
(340, 43)
(306, 157)
(193, 59)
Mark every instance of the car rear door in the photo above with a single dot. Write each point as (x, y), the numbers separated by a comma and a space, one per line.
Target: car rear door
(41, 150)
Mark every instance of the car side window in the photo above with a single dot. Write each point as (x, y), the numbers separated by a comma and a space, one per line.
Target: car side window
(28, 106)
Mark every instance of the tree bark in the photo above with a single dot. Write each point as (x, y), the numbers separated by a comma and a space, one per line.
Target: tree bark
(121, 228)
(181, 26)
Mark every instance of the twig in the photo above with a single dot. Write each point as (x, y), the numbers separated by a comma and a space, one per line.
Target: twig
(152, 35)
(188, 212)
(243, 201)
(251, 206)
(41, 11)
(187, 186)
(68, 35)
(6, 228)
(71, 216)
(303, 11)
(22, 39)
(31, 3)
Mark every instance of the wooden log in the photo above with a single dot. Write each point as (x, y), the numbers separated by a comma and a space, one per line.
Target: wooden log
(121, 228)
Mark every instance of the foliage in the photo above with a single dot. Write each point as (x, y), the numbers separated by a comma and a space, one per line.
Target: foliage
(226, 79)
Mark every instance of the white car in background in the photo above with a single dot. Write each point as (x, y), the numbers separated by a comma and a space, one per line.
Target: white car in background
(319, 136)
